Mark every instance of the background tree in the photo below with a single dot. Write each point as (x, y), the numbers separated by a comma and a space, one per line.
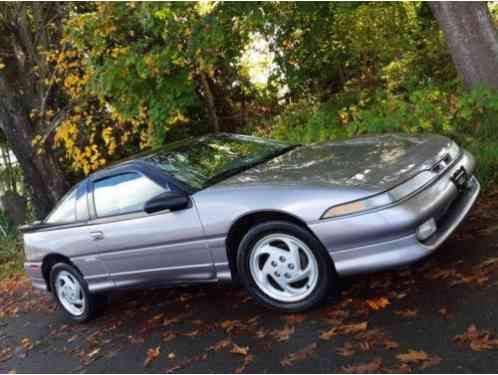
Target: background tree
(141, 72)
(85, 84)
(472, 39)
(29, 100)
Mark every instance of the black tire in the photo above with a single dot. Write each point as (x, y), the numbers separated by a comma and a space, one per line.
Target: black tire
(94, 303)
(326, 272)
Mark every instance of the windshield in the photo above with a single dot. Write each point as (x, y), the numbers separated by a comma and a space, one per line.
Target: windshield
(204, 161)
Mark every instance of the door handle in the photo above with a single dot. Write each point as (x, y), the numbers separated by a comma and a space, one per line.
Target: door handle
(97, 235)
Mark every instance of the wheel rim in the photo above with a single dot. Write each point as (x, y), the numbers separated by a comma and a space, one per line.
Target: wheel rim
(70, 293)
(284, 267)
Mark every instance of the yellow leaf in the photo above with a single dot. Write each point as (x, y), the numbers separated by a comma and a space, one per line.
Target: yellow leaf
(241, 350)
(378, 303)
(26, 343)
(152, 354)
(412, 356)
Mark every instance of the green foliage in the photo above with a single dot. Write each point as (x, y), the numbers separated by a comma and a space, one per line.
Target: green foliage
(470, 118)
(324, 48)
(339, 70)
(147, 59)
(11, 253)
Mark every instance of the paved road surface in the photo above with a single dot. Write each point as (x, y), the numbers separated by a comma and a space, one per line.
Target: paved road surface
(392, 321)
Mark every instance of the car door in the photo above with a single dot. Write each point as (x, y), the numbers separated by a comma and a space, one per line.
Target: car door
(139, 248)
(69, 237)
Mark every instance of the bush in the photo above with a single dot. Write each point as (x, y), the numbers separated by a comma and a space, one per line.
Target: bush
(11, 253)
(470, 118)
(11, 256)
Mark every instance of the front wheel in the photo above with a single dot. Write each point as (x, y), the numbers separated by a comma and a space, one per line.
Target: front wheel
(284, 267)
(71, 293)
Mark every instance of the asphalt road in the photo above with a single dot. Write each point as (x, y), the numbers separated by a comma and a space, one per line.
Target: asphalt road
(398, 321)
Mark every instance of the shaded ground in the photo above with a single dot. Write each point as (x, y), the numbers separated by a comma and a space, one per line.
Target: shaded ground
(401, 321)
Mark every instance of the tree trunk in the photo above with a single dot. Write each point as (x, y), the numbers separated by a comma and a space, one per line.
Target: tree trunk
(472, 40)
(41, 172)
(12, 171)
(213, 117)
(10, 182)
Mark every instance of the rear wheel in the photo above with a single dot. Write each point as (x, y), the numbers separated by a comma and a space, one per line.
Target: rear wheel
(71, 293)
(284, 267)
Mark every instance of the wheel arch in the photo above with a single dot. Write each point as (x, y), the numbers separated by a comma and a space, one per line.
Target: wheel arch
(244, 223)
(49, 261)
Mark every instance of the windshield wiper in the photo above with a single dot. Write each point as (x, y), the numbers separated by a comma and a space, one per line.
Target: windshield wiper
(233, 171)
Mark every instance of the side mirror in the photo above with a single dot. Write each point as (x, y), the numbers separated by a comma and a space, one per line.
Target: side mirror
(172, 201)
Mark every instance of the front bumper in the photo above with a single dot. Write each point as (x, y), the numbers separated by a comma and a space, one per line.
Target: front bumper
(34, 271)
(387, 238)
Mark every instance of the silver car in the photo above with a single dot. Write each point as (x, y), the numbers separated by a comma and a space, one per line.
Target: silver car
(284, 220)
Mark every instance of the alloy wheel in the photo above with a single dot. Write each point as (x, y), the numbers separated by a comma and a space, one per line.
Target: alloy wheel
(284, 267)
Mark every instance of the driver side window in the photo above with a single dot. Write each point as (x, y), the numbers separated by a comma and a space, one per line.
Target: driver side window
(123, 193)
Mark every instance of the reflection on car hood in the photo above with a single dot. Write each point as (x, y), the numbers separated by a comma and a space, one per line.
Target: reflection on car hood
(374, 163)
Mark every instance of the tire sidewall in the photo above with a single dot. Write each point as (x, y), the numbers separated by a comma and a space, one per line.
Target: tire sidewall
(56, 269)
(325, 268)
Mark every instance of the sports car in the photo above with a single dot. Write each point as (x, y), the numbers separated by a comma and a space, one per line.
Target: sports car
(286, 221)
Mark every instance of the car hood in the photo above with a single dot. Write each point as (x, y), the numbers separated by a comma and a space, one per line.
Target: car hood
(374, 163)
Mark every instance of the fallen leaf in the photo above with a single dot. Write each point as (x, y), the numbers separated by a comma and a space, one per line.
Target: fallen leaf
(353, 328)
(477, 340)
(156, 317)
(365, 346)
(247, 360)
(364, 368)
(179, 366)
(413, 356)
(403, 368)
(346, 350)
(433, 361)
(401, 295)
(152, 354)
(72, 338)
(191, 334)
(93, 353)
(390, 344)
(283, 334)
(406, 313)
(136, 340)
(345, 329)
(168, 336)
(5, 354)
(230, 325)
(220, 345)
(167, 322)
(378, 303)
(26, 344)
(241, 350)
(488, 262)
(293, 319)
(301, 355)
(328, 335)
(444, 312)
(261, 333)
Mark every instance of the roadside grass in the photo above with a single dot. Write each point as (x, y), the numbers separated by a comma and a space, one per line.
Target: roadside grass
(11, 257)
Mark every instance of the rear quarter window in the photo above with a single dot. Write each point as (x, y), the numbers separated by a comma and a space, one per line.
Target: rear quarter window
(65, 211)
